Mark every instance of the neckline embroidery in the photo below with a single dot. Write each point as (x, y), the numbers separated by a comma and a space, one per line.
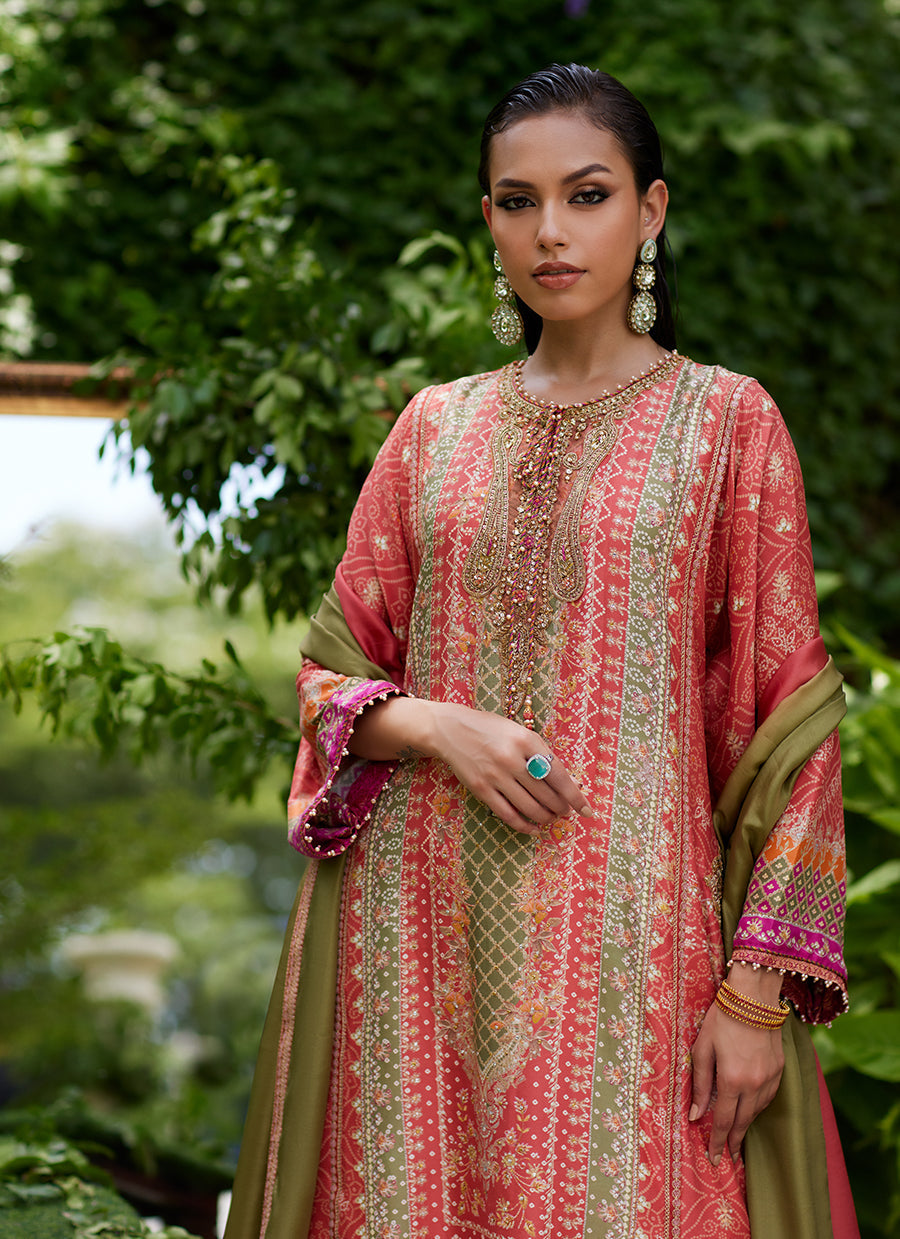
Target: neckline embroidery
(519, 562)
(521, 401)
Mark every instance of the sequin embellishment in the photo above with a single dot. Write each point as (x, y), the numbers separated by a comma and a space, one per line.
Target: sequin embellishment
(520, 564)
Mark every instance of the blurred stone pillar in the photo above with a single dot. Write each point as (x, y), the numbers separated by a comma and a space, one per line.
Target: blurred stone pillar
(123, 964)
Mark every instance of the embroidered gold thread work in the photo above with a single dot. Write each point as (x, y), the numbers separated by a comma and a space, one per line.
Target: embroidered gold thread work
(520, 564)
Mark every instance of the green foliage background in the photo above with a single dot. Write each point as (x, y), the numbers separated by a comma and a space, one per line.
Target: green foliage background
(270, 211)
(125, 123)
(88, 847)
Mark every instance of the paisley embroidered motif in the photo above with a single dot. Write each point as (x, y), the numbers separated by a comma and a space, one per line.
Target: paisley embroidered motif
(522, 565)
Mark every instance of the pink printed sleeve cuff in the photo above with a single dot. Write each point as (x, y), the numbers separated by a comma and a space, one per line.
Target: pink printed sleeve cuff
(333, 793)
(817, 990)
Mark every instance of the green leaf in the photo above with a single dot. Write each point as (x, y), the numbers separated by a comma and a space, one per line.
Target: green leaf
(327, 372)
(827, 583)
(70, 655)
(34, 1193)
(884, 877)
(99, 641)
(869, 1043)
(414, 250)
(287, 387)
(888, 818)
(265, 408)
(143, 689)
(262, 383)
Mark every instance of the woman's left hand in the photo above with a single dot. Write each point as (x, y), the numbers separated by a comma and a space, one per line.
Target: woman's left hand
(743, 1063)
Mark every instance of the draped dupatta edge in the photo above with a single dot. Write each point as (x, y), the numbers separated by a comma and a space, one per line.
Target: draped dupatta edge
(789, 1188)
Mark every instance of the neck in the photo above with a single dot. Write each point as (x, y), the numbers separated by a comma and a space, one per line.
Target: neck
(574, 362)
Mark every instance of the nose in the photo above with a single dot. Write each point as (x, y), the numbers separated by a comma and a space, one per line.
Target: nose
(550, 231)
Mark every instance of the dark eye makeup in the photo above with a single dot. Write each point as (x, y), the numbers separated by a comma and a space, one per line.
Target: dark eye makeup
(590, 196)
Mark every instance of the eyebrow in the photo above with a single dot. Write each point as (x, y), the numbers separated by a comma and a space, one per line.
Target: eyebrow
(509, 182)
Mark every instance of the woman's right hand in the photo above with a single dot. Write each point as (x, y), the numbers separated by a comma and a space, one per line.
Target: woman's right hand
(486, 752)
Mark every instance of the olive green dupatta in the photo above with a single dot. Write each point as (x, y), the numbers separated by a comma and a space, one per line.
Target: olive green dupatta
(275, 1181)
(784, 1149)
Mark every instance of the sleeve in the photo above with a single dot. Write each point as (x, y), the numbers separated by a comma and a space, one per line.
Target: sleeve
(332, 792)
(762, 644)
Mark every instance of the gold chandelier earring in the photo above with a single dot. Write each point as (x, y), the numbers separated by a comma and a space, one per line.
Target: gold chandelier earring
(506, 321)
(642, 310)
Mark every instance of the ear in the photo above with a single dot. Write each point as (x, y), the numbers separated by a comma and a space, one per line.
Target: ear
(653, 209)
(487, 210)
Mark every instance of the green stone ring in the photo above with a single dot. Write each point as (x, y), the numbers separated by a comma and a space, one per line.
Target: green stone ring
(539, 765)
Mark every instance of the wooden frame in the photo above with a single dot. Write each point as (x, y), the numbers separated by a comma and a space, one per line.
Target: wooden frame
(44, 389)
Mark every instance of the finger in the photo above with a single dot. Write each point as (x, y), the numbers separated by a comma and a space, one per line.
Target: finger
(702, 1080)
(495, 785)
(723, 1121)
(508, 801)
(565, 786)
(539, 801)
(519, 808)
(558, 790)
(749, 1108)
(507, 813)
(746, 1112)
(528, 796)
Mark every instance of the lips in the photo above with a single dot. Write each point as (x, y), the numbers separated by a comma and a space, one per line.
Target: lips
(553, 268)
(556, 275)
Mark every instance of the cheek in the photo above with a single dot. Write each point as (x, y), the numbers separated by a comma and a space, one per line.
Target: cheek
(619, 243)
(514, 244)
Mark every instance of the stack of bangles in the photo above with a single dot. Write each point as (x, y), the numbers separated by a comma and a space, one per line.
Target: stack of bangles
(749, 1011)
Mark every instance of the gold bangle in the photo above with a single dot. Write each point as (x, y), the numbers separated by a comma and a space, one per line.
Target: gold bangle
(745, 1000)
(735, 998)
(747, 1017)
(771, 1025)
(749, 1020)
(758, 1011)
(749, 1011)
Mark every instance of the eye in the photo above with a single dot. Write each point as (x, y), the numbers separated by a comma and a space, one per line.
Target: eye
(515, 202)
(590, 196)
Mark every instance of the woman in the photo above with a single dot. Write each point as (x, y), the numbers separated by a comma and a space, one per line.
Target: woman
(570, 664)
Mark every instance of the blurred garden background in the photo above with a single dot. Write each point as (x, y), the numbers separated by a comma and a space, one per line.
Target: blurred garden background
(268, 211)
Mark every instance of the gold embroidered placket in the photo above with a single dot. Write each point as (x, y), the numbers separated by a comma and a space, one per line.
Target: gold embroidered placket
(520, 566)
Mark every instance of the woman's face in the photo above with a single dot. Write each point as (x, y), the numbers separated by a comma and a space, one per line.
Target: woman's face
(567, 218)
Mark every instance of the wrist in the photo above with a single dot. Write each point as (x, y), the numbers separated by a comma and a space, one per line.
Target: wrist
(750, 1011)
(437, 722)
(761, 984)
(424, 725)
(396, 728)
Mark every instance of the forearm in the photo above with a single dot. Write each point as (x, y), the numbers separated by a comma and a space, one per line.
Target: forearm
(487, 753)
(400, 727)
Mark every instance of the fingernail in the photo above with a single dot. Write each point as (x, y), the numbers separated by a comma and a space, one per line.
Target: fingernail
(715, 1160)
(694, 1114)
(586, 811)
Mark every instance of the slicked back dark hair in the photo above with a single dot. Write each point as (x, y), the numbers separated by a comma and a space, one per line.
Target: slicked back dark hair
(609, 105)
